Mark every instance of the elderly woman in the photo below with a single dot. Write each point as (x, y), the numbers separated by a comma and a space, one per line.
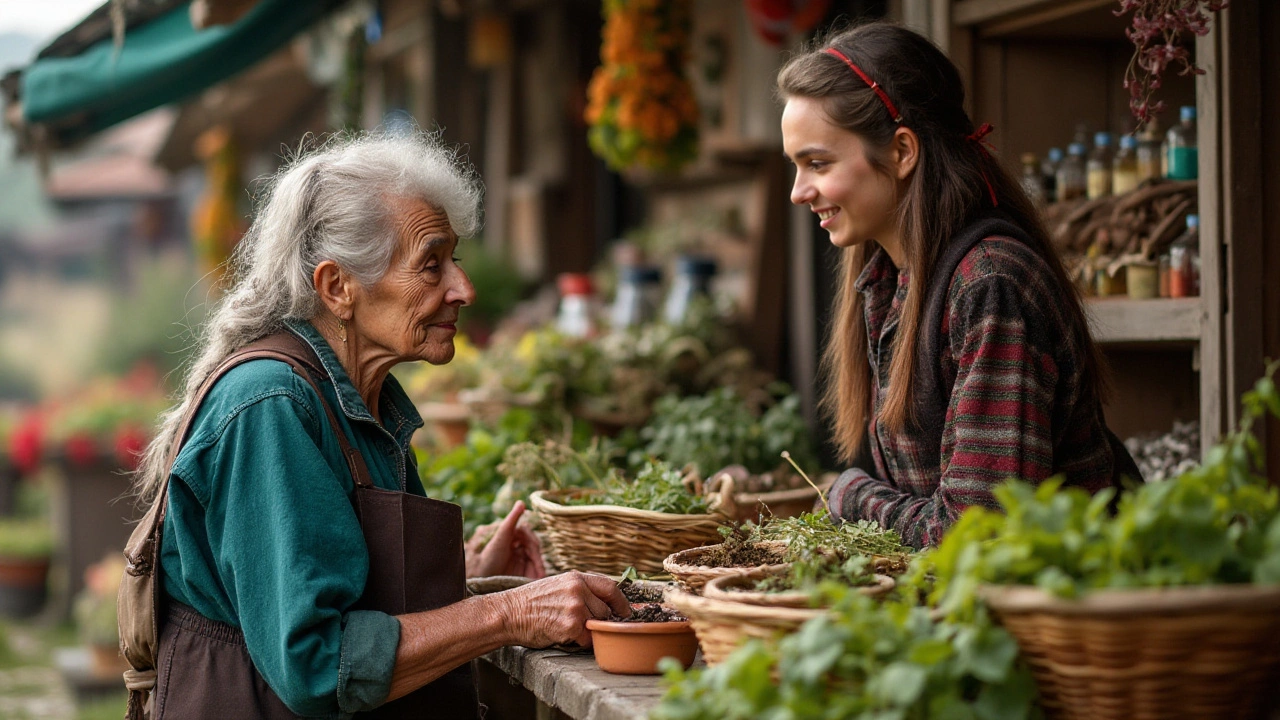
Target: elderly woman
(304, 571)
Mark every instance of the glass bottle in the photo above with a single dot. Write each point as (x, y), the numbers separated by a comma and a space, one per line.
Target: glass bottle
(1149, 153)
(576, 316)
(1071, 174)
(1183, 156)
(1124, 168)
(639, 296)
(1031, 181)
(1049, 174)
(1184, 261)
(693, 279)
(1098, 167)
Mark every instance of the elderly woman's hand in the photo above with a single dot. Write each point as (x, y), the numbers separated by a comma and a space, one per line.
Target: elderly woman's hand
(555, 611)
(505, 548)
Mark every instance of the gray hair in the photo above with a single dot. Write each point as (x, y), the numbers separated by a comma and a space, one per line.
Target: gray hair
(333, 203)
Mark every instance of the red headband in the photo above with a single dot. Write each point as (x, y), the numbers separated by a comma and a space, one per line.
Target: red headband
(875, 86)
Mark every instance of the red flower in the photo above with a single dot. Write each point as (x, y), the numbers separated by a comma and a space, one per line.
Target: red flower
(129, 444)
(26, 444)
(81, 450)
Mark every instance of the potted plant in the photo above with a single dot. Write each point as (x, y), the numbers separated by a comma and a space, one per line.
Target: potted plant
(26, 545)
(635, 645)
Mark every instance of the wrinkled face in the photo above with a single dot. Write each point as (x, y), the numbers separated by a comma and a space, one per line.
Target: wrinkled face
(412, 312)
(855, 202)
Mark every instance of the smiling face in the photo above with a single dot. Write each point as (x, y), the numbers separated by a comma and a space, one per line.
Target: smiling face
(834, 177)
(412, 312)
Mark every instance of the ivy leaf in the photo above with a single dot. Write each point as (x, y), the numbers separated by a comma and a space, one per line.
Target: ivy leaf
(1011, 699)
(985, 651)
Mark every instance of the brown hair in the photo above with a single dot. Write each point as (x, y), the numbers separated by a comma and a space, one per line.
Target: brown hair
(947, 191)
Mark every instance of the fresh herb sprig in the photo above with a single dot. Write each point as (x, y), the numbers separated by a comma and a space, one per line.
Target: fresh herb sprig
(658, 487)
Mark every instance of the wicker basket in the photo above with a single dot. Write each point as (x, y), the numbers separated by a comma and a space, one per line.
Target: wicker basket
(778, 503)
(721, 625)
(687, 568)
(731, 588)
(1204, 652)
(608, 538)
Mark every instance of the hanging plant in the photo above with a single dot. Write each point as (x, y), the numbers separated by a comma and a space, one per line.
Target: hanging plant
(640, 106)
(1158, 29)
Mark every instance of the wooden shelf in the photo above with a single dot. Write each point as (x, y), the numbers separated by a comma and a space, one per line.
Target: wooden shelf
(1121, 320)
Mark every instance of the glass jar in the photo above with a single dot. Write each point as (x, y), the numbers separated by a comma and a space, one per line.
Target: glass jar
(576, 316)
(1124, 168)
(1184, 261)
(1071, 182)
(1098, 167)
(693, 279)
(639, 296)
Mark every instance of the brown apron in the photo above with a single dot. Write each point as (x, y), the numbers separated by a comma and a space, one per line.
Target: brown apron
(416, 563)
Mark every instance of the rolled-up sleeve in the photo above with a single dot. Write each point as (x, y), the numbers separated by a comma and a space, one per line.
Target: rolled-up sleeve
(289, 553)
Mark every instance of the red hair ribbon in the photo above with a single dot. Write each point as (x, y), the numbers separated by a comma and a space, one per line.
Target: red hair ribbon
(875, 86)
(978, 138)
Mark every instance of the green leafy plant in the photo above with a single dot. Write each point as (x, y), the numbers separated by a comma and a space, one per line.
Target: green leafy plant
(657, 487)
(862, 659)
(468, 474)
(820, 551)
(719, 429)
(1218, 523)
(25, 538)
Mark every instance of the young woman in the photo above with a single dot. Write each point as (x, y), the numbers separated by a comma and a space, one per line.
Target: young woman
(959, 348)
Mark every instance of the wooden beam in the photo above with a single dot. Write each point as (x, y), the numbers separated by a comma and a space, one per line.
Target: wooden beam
(1242, 202)
(1212, 292)
(1018, 14)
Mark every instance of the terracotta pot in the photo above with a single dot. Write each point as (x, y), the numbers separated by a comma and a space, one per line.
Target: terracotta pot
(635, 648)
(107, 660)
(23, 583)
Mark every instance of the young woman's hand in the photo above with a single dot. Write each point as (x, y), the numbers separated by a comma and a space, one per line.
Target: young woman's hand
(554, 611)
(508, 547)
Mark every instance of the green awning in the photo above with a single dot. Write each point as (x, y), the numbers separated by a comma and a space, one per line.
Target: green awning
(161, 61)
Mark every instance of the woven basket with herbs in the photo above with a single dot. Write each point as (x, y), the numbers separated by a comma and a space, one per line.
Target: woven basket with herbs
(606, 531)
(694, 568)
(722, 625)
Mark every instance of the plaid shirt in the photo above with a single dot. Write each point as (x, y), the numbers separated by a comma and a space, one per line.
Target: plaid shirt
(1016, 408)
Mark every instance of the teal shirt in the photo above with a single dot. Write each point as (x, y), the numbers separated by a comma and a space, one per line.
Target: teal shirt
(261, 531)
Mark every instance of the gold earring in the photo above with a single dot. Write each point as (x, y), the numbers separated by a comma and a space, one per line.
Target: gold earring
(342, 326)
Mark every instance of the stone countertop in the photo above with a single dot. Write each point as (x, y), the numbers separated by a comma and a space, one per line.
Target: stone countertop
(574, 684)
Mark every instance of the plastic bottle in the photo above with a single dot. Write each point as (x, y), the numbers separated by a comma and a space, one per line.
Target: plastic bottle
(1071, 174)
(1183, 156)
(1149, 153)
(693, 278)
(1184, 261)
(1031, 180)
(1098, 167)
(639, 296)
(576, 316)
(1124, 168)
(1049, 174)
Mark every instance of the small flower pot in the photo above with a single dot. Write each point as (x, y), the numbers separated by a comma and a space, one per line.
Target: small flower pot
(23, 583)
(633, 648)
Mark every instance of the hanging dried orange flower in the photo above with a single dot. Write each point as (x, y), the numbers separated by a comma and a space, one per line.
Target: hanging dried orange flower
(640, 106)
